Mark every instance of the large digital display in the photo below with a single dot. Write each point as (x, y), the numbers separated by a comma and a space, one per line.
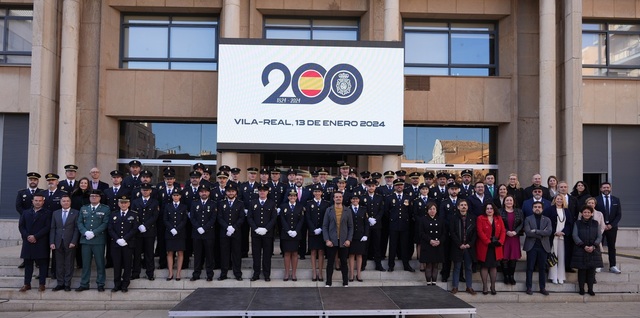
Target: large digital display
(280, 95)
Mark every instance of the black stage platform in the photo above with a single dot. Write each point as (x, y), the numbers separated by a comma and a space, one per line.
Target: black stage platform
(396, 301)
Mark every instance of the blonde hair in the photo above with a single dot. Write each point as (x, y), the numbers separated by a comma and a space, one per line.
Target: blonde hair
(565, 204)
(517, 180)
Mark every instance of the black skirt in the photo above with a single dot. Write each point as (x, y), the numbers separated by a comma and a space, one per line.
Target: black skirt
(316, 242)
(358, 247)
(174, 245)
(490, 260)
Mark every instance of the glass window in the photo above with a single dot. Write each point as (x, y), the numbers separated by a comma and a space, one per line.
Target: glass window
(611, 50)
(311, 29)
(159, 140)
(16, 26)
(170, 42)
(459, 48)
(448, 145)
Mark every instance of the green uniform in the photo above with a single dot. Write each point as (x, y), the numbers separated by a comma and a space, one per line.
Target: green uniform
(95, 221)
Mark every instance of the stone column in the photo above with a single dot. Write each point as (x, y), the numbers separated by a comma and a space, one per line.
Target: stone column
(44, 74)
(547, 107)
(391, 33)
(231, 19)
(572, 86)
(68, 82)
(230, 29)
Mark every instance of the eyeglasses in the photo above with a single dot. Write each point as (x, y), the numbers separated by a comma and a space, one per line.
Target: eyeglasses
(94, 172)
(94, 195)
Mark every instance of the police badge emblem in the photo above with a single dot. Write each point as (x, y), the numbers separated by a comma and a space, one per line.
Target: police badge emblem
(343, 84)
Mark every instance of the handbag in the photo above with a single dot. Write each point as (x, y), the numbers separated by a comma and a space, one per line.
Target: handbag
(552, 259)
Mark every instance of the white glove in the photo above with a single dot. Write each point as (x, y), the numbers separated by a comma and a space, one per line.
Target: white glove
(89, 235)
(364, 239)
(289, 232)
(229, 233)
(317, 231)
(174, 232)
(372, 221)
(230, 229)
(200, 230)
(293, 233)
(258, 231)
(142, 228)
(121, 242)
(245, 212)
(278, 210)
(262, 230)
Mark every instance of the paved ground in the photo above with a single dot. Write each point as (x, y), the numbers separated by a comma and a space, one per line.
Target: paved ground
(496, 310)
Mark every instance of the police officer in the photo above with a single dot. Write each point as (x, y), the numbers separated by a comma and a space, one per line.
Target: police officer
(248, 191)
(70, 183)
(230, 218)
(145, 177)
(262, 217)
(189, 197)
(327, 187)
(92, 224)
(133, 179)
(428, 178)
(374, 203)
(466, 188)
(448, 208)
(314, 210)
(110, 198)
(351, 182)
(398, 207)
(123, 227)
(387, 188)
(147, 209)
(203, 220)
(53, 194)
(361, 188)
(164, 191)
(278, 188)
(24, 199)
(439, 191)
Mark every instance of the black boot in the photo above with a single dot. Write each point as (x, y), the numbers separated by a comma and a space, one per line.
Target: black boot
(505, 272)
(512, 272)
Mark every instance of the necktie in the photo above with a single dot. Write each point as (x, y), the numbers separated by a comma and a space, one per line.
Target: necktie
(453, 201)
(230, 203)
(33, 192)
(50, 193)
(195, 190)
(71, 184)
(355, 210)
(115, 190)
(399, 197)
(292, 206)
(135, 178)
(169, 191)
(123, 214)
(491, 190)
(299, 193)
(93, 209)
(175, 205)
(606, 204)
(203, 202)
(261, 203)
(64, 217)
(144, 201)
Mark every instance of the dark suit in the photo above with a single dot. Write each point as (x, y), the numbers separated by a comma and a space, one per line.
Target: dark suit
(262, 215)
(145, 242)
(612, 217)
(476, 206)
(52, 202)
(24, 199)
(230, 214)
(37, 224)
(447, 210)
(351, 182)
(537, 246)
(175, 218)
(375, 209)
(528, 192)
(247, 192)
(122, 227)
(65, 186)
(110, 197)
(102, 186)
(527, 206)
(203, 215)
(62, 234)
(277, 192)
(131, 182)
(466, 192)
(164, 197)
(399, 211)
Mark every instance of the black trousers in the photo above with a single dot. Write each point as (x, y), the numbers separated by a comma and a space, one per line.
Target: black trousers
(586, 276)
(537, 256)
(230, 249)
(302, 247)
(244, 233)
(42, 267)
(121, 256)
(161, 245)
(188, 247)
(446, 264)
(203, 253)
(375, 235)
(144, 246)
(343, 254)
(398, 240)
(262, 250)
(610, 236)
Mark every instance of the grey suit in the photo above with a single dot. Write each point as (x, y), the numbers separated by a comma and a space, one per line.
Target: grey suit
(537, 246)
(330, 233)
(63, 234)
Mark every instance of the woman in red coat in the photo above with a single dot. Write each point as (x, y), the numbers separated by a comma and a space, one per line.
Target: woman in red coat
(491, 236)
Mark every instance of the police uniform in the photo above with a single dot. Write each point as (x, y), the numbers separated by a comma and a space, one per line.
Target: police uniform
(466, 190)
(69, 185)
(277, 189)
(175, 218)
(439, 193)
(164, 196)
(262, 215)
(96, 220)
(189, 198)
(203, 216)
(448, 208)
(398, 207)
(24, 199)
(248, 192)
(375, 209)
(230, 216)
(314, 215)
(291, 220)
(148, 210)
(123, 225)
(132, 181)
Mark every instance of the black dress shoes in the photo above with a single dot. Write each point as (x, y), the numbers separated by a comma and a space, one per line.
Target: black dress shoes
(254, 278)
(222, 278)
(193, 279)
(100, 288)
(409, 269)
(115, 289)
(59, 287)
(267, 279)
(79, 289)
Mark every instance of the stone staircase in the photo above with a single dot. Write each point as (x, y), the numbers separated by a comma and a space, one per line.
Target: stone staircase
(161, 294)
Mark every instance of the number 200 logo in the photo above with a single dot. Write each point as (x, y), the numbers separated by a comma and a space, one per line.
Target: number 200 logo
(311, 84)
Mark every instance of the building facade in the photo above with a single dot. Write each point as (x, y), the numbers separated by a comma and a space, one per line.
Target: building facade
(542, 86)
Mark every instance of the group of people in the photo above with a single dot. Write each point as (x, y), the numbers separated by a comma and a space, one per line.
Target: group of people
(346, 220)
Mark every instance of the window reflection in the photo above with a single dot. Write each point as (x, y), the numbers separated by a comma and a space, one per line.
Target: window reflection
(16, 27)
(311, 29)
(460, 48)
(170, 42)
(611, 49)
(447, 145)
(159, 140)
